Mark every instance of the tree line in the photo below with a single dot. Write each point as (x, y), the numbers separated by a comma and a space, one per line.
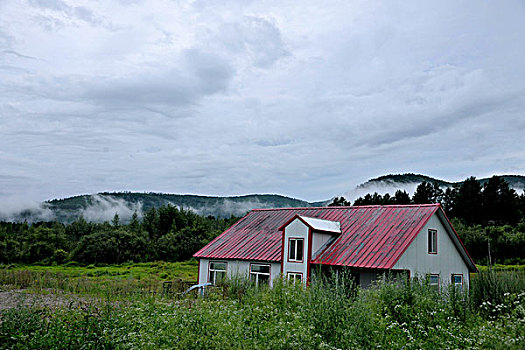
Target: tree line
(167, 233)
(489, 218)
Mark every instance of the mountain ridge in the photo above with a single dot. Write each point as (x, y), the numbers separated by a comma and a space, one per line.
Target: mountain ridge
(103, 206)
(515, 181)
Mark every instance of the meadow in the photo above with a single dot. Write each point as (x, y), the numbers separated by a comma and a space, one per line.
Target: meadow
(330, 314)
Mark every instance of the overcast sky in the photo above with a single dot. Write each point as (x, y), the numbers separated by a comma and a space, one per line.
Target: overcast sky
(302, 98)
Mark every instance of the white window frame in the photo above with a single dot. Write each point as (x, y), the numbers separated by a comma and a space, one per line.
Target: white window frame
(212, 272)
(432, 284)
(293, 276)
(459, 285)
(257, 274)
(432, 241)
(295, 250)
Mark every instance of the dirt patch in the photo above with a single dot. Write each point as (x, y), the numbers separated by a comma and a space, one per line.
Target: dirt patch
(10, 298)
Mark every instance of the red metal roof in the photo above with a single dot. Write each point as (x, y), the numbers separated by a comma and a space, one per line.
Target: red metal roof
(372, 236)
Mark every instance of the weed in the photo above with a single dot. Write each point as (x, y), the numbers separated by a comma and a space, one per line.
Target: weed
(329, 314)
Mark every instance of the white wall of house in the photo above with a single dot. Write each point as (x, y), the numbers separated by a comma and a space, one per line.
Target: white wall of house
(318, 240)
(203, 271)
(296, 229)
(446, 262)
(237, 268)
(242, 268)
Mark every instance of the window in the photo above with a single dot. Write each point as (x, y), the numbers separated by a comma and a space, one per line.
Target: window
(260, 274)
(433, 281)
(432, 242)
(217, 271)
(295, 249)
(295, 277)
(457, 280)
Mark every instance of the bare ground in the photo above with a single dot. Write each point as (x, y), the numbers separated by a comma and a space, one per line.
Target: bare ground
(10, 298)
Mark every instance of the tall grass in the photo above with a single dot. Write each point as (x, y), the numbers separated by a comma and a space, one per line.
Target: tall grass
(490, 285)
(330, 314)
(108, 288)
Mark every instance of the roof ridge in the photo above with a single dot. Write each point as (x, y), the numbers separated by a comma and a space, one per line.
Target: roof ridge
(351, 207)
(286, 208)
(394, 205)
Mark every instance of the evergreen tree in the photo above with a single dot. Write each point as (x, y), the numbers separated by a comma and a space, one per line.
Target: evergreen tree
(449, 200)
(339, 202)
(500, 202)
(469, 201)
(428, 193)
(401, 197)
(134, 224)
(374, 199)
(116, 220)
(151, 224)
(521, 205)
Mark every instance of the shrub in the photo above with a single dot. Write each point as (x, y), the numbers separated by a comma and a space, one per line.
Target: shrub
(72, 264)
(490, 288)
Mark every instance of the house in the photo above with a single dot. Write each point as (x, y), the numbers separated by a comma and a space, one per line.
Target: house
(367, 240)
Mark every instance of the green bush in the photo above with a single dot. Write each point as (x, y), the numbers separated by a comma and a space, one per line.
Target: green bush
(491, 286)
(72, 264)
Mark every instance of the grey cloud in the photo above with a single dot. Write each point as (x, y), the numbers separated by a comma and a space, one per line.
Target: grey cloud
(17, 54)
(381, 187)
(54, 5)
(15, 208)
(239, 97)
(79, 12)
(240, 208)
(85, 15)
(199, 74)
(6, 39)
(273, 142)
(104, 208)
(256, 37)
(101, 208)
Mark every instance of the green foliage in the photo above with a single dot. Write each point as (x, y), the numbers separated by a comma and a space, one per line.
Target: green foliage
(492, 287)
(427, 193)
(81, 328)
(340, 202)
(330, 314)
(167, 233)
(401, 197)
(506, 243)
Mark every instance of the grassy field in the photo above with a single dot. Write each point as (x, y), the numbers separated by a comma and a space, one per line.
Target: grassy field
(327, 315)
(107, 281)
(158, 270)
(500, 267)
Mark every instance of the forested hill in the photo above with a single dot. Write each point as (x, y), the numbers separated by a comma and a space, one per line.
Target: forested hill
(103, 206)
(515, 181)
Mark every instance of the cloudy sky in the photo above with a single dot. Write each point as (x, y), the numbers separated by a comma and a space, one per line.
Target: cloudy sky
(301, 98)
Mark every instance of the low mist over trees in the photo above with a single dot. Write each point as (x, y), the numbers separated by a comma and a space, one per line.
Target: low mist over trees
(168, 234)
(490, 215)
(493, 203)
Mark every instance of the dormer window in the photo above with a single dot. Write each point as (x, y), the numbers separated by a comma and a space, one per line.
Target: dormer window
(432, 241)
(295, 249)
